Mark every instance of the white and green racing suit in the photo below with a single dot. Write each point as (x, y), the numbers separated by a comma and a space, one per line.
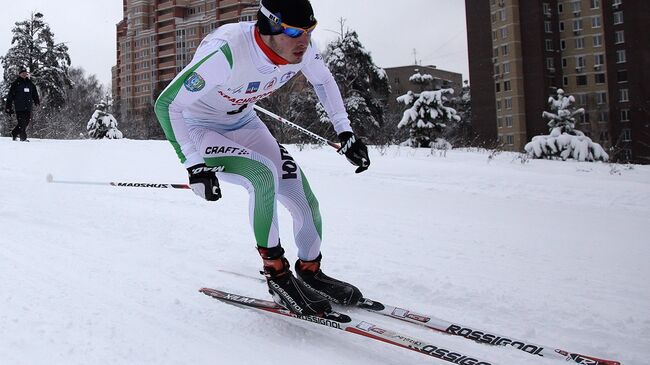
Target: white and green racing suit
(207, 114)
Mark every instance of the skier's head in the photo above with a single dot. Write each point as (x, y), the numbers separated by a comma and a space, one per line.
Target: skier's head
(23, 72)
(290, 17)
(286, 26)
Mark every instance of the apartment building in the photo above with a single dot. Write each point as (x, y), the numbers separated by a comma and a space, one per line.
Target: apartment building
(156, 39)
(596, 50)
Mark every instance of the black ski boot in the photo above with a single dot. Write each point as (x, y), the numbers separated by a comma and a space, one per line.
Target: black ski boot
(336, 291)
(288, 291)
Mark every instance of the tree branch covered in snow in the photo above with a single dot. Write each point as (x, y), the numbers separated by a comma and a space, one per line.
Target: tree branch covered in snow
(102, 124)
(564, 141)
(426, 115)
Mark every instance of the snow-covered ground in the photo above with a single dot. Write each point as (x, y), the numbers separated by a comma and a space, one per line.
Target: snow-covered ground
(553, 252)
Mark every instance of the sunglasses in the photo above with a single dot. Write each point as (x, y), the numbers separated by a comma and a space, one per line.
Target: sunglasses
(288, 30)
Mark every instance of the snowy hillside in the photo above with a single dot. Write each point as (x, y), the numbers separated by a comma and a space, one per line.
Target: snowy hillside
(553, 252)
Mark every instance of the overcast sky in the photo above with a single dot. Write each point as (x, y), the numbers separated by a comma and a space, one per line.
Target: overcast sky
(389, 29)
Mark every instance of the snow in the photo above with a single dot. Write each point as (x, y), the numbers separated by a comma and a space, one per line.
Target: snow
(549, 251)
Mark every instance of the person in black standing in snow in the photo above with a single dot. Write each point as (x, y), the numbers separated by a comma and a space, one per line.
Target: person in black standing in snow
(22, 94)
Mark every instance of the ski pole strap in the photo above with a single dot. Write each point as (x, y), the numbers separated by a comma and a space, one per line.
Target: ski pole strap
(297, 127)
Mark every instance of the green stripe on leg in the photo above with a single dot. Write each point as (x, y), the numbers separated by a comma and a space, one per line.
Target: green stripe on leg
(313, 205)
(261, 177)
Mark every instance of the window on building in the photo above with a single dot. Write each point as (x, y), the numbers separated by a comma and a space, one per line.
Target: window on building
(617, 2)
(506, 67)
(625, 115)
(502, 15)
(549, 44)
(603, 116)
(575, 6)
(562, 44)
(619, 37)
(618, 17)
(494, 17)
(595, 4)
(599, 60)
(498, 87)
(595, 22)
(505, 49)
(508, 103)
(599, 78)
(496, 52)
(499, 122)
(546, 8)
(598, 40)
(507, 86)
(565, 80)
(604, 136)
(560, 8)
(623, 95)
(564, 63)
(581, 80)
(620, 56)
(601, 97)
(498, 105)
(581, 99)
(621, 76)
(508, 120)
(580, 62)
(550, 63)
(580, 43)
(504, 32)
(547, 27)
(496, 69)
(494, 35)
(627, 135)
(510, 140)
(577, 25)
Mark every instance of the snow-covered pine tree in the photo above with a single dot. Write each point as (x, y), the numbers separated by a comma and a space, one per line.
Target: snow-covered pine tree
(364, 86)
(102, 124)
(33, 47)
(426, 115)
(564, 141)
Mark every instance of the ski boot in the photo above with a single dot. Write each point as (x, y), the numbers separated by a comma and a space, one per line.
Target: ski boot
(288, 291)
(336, 291)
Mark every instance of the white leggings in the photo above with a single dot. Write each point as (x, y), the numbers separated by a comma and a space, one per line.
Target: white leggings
(252, 158)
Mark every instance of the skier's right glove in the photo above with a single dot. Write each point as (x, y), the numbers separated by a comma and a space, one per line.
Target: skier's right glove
(204, 182)
(354, 150)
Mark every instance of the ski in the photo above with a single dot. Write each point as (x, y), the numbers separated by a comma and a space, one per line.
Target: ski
(346, 323)
(471, 333)
(481, 336)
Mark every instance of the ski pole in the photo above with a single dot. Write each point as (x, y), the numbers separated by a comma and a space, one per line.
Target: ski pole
(50, 179)
(296, 126)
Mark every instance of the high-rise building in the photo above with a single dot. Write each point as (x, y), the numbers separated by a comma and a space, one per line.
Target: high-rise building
(521, 51)
(156, 39)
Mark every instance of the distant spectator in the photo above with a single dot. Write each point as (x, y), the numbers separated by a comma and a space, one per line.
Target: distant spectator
(21, 95)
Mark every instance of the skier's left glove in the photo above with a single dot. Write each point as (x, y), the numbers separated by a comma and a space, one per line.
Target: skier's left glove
(204, 182)
(354, 150)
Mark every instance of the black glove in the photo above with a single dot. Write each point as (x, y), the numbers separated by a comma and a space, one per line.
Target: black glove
(204, 182)
(9, 111)
(354, 150)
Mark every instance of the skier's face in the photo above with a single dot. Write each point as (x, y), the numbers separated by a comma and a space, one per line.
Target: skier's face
(291, 49)
(23, 74)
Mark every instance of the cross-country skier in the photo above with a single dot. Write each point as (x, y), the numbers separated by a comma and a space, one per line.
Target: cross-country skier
(207, 114)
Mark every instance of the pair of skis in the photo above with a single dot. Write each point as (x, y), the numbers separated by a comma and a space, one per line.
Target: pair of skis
(349, 324)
